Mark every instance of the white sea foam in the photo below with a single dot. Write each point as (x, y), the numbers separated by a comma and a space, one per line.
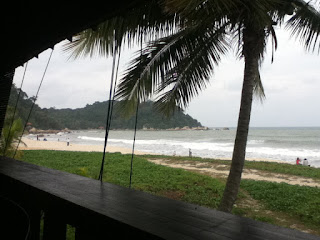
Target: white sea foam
(255, 142)
(163, 144)
(91, 138)
(278, 144)
(284, 152)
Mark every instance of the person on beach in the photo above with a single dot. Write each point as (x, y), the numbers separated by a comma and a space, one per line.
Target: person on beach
(190, 153)
(305, 162)
(68, 142)
(298, 161)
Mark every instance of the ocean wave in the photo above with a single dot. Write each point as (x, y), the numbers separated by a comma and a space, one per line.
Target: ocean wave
(256, 141)
(286, 152)
(174, 143)
(91, 138)
(207, 148)
(164, 143)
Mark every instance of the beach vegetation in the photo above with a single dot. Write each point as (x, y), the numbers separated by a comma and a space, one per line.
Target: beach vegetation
(11, 133)
(185, 41)
(297, 201)
(147, 177)
(281, 204)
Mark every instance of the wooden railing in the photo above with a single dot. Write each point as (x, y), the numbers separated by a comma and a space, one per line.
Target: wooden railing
(106, 211)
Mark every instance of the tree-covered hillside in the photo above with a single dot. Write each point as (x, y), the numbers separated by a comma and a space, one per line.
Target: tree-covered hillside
(94, 116)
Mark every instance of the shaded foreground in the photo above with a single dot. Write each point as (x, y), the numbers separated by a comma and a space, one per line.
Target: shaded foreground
(103, 210)
(280, 204)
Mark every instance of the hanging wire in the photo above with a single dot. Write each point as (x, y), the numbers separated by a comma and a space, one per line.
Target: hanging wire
(136, 122)
(15, 107)
(111, 101)
(134, 138)
(114, 88)
(34, 101)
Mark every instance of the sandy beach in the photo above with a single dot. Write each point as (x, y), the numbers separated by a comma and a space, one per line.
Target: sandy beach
(203, 168)
(31, 144)
(222, 171)
(62, 146)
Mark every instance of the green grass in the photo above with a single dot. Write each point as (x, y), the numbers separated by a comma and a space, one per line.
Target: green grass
(297, 201)
(300, 204)
(148, 177)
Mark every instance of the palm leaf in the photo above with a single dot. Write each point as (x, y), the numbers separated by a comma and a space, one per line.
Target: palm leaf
(192, 73)
(184, 60)
(145, 22)
(305, 24)
(143, 73)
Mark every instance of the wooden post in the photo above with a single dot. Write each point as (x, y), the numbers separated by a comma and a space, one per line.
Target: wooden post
(82, 234)
(35, 218)
(5, 89)
(54, 227)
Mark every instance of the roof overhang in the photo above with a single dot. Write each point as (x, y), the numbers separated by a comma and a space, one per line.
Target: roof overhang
(30, 27)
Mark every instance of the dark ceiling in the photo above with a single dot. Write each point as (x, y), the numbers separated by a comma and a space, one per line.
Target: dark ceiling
(30, 27)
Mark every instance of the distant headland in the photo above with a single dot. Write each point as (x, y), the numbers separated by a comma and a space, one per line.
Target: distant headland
(93, 116)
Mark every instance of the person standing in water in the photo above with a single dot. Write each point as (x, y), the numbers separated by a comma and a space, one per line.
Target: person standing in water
(190, 153)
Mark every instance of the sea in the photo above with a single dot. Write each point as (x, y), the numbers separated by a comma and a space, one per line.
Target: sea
(278, 144)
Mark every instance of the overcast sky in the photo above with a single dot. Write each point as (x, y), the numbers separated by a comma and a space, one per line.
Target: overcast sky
(291, 82)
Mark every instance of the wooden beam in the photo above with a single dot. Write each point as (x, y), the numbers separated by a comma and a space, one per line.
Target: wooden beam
(108, 210)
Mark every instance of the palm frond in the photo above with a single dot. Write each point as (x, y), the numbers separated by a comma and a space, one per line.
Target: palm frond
(192, 73)
(200, 8)
(274, 42)
(183, 61)
(91, 43)
(146, 22)
(258, 88)
(305, 24)
(143, 74)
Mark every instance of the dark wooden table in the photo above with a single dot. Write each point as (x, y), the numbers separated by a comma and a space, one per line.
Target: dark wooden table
(106, 210)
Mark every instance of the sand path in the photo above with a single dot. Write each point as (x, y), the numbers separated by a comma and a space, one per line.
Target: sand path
(222, 171)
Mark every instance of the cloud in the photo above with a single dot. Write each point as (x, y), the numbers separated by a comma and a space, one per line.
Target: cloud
(291, 82)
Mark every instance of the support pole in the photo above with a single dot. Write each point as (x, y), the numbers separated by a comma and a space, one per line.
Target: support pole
(5, 89)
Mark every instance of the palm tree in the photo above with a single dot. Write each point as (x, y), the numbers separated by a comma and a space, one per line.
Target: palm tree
(178, 60)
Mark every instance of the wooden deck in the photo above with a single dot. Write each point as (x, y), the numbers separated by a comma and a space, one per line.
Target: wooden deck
(106, 210)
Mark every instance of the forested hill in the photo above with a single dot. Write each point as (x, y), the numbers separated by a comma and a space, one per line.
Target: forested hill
(94, 116)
